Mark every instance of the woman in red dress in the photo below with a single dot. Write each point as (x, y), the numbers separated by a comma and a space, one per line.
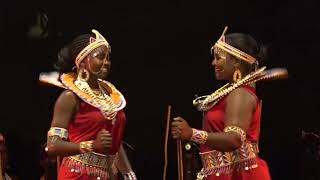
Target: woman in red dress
(88, 120)
(231, 122)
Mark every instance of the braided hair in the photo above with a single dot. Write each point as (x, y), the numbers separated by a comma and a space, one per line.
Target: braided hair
(68, 54)
(249, 45)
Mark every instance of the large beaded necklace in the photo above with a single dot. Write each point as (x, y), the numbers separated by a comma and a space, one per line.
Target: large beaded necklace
(204, 103)
(101, 100)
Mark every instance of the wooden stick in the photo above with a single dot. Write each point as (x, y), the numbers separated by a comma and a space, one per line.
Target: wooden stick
(260, 101)
(180, 161)
(1, 176)
(164, 176)
(109, 168)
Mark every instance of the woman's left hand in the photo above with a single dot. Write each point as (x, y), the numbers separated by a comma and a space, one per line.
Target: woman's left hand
(181, 129)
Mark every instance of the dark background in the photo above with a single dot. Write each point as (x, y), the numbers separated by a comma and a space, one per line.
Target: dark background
(160, 56)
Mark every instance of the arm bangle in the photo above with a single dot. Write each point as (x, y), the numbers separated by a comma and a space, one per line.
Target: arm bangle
(130, 176)
(199, 136)
(237, 130)
(86, 146)
(57, 131)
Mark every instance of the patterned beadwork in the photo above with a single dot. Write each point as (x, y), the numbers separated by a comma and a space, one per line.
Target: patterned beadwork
(86, 146)
(57, 131)
(92, 163)
(94, 43)
(130, 176)
(223, 163)
(199, 136)
(204, 103)
(222, 48)
(108, 105)
(237, 130)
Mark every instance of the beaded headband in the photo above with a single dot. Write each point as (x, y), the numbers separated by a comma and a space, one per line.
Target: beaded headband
(221, 47)
(98, 41)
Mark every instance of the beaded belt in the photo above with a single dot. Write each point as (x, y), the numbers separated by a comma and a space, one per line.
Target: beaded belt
(92, 163)
(223, 163)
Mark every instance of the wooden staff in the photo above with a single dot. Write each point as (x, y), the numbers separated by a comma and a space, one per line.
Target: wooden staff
(260, 101)
(109, 166)
(179, 150)
(166, 144)
(180, 161)
(109, 169)
(1, 176)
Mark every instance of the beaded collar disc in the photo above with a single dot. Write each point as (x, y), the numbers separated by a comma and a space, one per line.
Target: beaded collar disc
(110, 101)
(205, 103)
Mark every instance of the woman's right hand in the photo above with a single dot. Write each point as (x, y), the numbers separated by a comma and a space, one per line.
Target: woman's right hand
(181, 129)
(103, 142)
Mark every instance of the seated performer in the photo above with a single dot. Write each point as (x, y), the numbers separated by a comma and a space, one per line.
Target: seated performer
(3, 159)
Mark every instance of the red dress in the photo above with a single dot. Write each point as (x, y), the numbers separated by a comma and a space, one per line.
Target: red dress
(87, 123)
(242, 166)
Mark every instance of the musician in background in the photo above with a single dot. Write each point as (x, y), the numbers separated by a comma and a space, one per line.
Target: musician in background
(3, 159)
(310, 155)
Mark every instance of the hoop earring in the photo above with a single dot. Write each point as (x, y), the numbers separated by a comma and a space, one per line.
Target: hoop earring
(237, 75)
(83, 75)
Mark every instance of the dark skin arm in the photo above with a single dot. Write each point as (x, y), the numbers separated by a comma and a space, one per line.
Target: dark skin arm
(66, 106)
(122, 162)
(240, 105)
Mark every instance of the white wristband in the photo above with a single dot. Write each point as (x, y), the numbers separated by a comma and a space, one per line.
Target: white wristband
(130, 176)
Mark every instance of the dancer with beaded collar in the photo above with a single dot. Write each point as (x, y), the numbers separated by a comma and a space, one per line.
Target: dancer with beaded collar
(231, 122)
(88, 120)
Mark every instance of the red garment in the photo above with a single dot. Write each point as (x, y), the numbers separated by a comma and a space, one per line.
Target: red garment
(259, 173)
(2, 140)
(87, 123)
(214, 120)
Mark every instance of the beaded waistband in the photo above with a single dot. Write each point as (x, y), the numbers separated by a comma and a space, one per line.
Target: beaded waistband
(92, 163)
(222, 163)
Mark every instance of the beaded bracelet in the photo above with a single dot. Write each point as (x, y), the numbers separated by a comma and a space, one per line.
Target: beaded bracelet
(130, 176)
(57, 131)
(86, 146)
(199, 136)
(237, 130)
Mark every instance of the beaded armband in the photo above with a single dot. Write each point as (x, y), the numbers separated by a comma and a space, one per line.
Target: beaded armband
(199, 136)
(130, 176)
(60, 132)
(237, 130)
(86, 146)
